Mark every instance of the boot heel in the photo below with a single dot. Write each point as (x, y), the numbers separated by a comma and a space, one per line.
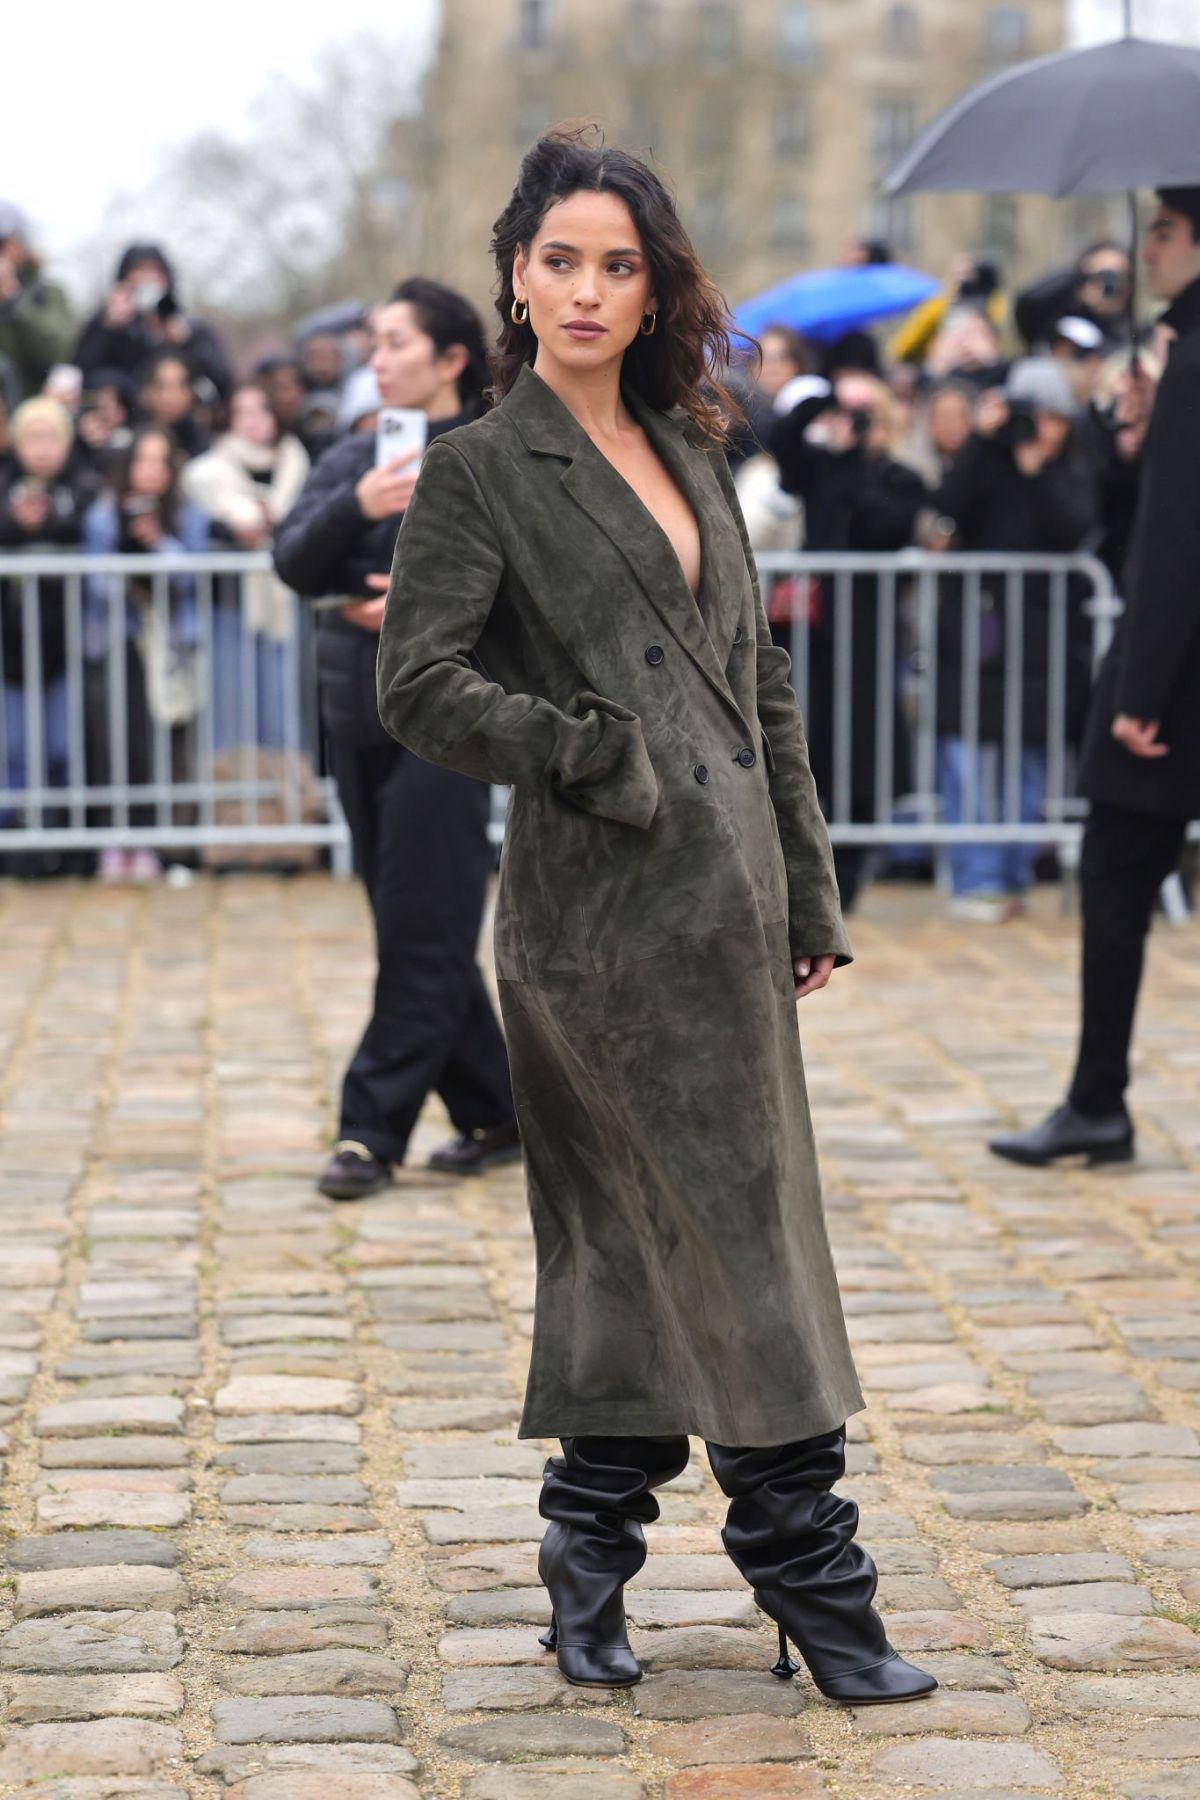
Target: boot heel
(1109, 1153)
(549, 1638)
(785, 1668)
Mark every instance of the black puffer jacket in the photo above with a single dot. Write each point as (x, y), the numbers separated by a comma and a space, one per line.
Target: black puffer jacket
(328, 546)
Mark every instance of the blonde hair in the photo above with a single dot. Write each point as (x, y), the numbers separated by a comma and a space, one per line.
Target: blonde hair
(42, 409)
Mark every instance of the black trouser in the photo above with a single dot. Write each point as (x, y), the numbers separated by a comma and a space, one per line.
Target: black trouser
(1126, 858)
(421, 849)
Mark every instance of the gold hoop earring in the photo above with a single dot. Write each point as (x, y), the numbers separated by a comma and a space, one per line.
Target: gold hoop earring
(648, 331)
(519, 312)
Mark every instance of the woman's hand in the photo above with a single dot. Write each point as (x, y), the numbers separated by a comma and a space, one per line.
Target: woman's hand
(368, 614)
(811, 972)
(382, 493)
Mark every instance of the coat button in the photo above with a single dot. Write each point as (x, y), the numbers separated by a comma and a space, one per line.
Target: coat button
(654, 655)
(746, 757)
(738, 635)
(701, 773)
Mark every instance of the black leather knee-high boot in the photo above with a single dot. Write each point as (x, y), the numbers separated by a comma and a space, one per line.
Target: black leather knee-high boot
(597, 1497)
(794, 1542)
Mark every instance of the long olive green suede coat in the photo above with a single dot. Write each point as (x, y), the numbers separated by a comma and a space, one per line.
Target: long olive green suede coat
(664, 859)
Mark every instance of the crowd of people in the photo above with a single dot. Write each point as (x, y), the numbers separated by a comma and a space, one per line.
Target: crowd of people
(131, 433)
(983, 423)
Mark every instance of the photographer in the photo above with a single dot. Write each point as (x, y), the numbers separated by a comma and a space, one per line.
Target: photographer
(419, 832)
(141, 316)
(1020, 484)
(836, 449)
(35, 318)
(1096, 289)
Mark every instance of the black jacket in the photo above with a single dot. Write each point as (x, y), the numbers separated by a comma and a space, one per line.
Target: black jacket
(852, 501)
(130, 348)
(327, 546)
(996, 507)
(71, 493)
(1152, 670)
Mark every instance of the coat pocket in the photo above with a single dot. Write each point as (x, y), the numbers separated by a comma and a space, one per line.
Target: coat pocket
(613, 777)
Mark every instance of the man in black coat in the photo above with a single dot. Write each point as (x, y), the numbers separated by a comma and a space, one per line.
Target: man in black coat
(1141, 756)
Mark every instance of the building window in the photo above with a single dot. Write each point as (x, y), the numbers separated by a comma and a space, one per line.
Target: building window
(714, 132)
(1000, 225)
(533, 115)
(717, 34)
(791, 128)
(789, 224)
(534, 29)
(900, 30)
(894, 222)
(797, 36)
(710, 219)
(893, 128)
(1006, 33)
(641, 36)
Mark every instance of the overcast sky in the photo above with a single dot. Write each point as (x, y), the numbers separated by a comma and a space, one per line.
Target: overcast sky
(94, 94)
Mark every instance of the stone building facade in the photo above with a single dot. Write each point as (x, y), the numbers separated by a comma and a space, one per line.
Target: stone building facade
(770, 120)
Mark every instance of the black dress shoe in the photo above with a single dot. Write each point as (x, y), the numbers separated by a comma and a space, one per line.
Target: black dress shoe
(1069, 1133)
(354, 1172)
(475, 1151)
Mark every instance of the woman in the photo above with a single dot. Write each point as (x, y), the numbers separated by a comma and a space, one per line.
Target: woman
(167, 399)
(838, 451)
(247, 483)
(141, 316)
(420, 834)
(144, 513)
(43, 495)
(666, 894)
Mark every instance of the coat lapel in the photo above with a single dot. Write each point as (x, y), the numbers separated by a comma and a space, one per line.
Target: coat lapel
(704, 630)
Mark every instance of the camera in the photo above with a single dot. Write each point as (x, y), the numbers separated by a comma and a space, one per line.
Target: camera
(1021, 425)
(1110, 283)
(861, 420)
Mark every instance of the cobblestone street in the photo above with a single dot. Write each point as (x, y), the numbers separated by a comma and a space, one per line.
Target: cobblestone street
(270, 1534)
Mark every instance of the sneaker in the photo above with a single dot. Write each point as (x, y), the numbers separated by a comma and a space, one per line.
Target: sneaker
(474, 1151)
(143, 867)
(986, 909)
(354, 1172)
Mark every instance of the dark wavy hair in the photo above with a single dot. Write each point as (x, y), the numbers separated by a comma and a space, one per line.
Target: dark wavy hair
(448, 318)
(682, 363)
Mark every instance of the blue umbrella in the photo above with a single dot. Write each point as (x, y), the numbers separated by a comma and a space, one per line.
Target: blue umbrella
(823, 303)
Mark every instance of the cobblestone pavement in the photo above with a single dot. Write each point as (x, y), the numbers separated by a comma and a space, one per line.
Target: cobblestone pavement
(270, 1534)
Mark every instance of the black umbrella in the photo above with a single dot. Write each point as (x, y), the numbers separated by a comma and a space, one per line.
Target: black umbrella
(1124, 114)
(1120, 115)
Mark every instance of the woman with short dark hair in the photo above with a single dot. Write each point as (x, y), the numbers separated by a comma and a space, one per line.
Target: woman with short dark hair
(573, 611)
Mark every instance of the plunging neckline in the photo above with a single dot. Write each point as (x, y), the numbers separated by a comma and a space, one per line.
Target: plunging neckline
(684, 495)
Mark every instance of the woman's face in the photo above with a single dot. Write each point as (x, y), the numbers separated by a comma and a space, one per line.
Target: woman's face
(42, 449)
(150, 470)
(586, 279)
(168, 393)
(408, 366)
(251, 418)
(778, 363)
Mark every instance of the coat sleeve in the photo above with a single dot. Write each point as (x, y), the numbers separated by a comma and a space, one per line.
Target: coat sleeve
(323, 528)
(815, 926)
(446, 572)
(1163, 610)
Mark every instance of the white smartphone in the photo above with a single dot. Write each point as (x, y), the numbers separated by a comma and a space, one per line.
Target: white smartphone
(398, 431)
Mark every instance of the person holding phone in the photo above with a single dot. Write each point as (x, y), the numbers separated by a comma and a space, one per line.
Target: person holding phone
(419, 832)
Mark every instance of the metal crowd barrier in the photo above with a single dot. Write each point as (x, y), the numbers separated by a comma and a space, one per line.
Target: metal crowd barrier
(869, 630)
(143, 702)
(156, 700)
